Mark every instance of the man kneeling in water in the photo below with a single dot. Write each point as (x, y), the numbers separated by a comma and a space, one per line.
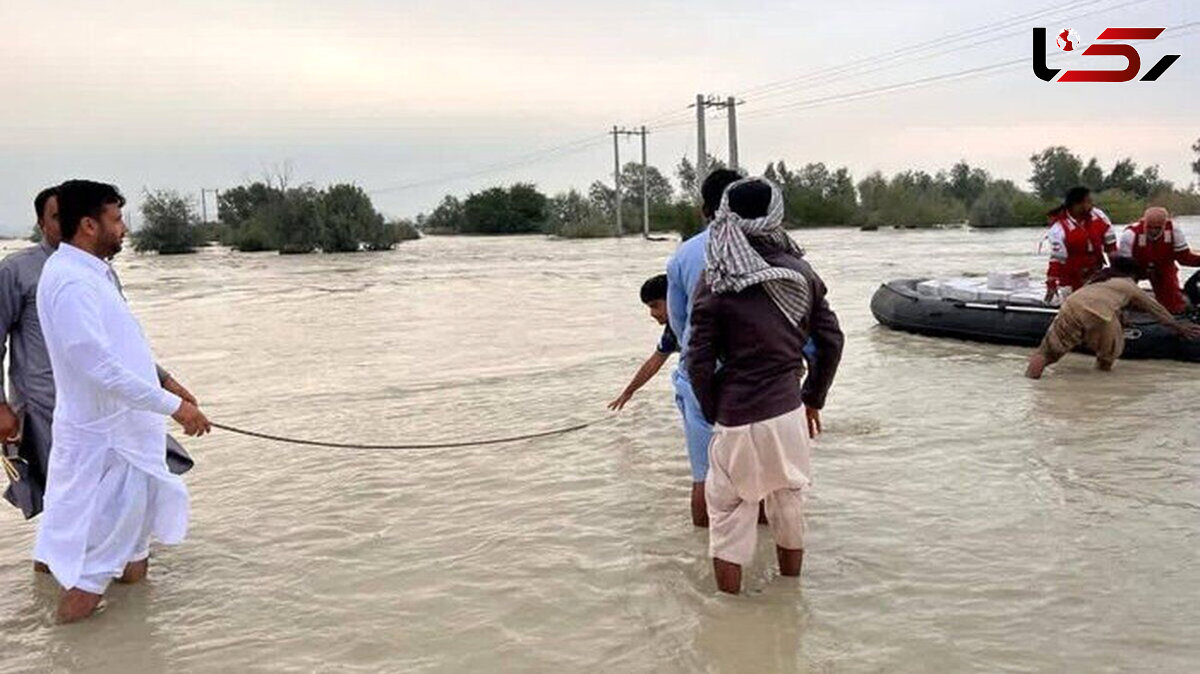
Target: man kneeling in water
(1091, 316)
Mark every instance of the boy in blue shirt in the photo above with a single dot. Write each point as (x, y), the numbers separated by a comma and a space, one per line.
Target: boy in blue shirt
(654, 296)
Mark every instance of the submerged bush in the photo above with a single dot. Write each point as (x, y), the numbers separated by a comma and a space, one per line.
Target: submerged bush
(170, 226)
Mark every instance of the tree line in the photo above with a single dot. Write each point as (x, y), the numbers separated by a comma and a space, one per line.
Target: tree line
(818, 196)
(271, 215)
(268, 215)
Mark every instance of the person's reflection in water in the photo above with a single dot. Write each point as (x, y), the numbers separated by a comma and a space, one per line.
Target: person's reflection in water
(764, 635)
(127, 639)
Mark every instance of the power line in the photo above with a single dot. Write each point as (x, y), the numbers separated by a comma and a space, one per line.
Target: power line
(564, 149)
(933, 79)
(908, 54)
(818, 79)
(920, 46)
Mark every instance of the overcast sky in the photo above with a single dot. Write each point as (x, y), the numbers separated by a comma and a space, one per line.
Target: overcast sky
(188, 95)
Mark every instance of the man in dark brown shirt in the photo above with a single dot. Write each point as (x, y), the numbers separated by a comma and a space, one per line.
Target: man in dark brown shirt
(757, 304)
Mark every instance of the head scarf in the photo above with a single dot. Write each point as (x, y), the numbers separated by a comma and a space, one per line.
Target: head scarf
(734, 264)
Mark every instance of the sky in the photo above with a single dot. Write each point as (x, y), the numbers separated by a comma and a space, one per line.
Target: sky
(415, 100)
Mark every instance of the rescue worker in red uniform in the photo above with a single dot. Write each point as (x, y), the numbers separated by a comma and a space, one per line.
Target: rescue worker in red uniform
(1080, 236)
(1157, 246)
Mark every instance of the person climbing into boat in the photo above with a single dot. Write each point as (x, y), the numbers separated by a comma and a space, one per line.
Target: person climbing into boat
(683, 272)
(1091, 316)
(755, 307)
(1080, 236)
(654, 296)
(1158, 247)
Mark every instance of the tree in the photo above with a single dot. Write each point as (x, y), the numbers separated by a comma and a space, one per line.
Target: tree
(1092, 175)
(294, 222)
(170, 224)
(815, 196)
(689, 182)
(239, 204)
(447, 218)
(520, 209)
(572, 215)
(349, 219)
(1002, 204)
(966, 183)
(601, 197)
(528, 206)
(658, 187)
(1055, 170)
(1125, 177)
(910, 198)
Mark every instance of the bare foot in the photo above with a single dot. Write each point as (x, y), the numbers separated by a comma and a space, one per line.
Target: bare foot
(1037, 365)
(135, 572)
(1104, 365)
(39, 567)
(77, 605)
(790, 560)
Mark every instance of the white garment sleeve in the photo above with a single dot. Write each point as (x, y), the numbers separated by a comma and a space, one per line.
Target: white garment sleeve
(1058, 243)
(1181, 242)
(73, 309)
(1125, 243)
(1110, 234)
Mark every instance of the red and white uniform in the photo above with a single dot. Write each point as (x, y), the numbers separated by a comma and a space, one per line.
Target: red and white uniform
(1158, 258)
(1077, 248)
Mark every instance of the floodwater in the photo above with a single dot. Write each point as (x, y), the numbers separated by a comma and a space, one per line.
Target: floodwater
(963, 519)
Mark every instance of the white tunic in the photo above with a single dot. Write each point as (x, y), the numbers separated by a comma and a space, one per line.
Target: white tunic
(108, 487)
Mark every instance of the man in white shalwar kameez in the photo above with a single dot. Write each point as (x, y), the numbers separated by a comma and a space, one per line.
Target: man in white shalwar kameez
(108, 492)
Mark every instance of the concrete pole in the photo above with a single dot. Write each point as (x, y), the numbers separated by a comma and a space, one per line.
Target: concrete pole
(731, 107)
(203, 207)
(701, 150)
(617, 178)
(645, 190)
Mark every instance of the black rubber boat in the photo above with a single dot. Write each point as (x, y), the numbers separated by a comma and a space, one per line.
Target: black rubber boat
(898, 305)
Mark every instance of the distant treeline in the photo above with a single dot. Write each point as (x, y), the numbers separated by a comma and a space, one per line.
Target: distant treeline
(817, 196)
(271, 215)
(268, 216)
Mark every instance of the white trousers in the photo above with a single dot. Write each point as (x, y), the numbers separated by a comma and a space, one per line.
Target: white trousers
(120, 529)
(764, 461)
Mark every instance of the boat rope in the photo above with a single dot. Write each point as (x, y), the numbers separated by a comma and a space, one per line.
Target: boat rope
(435, 445)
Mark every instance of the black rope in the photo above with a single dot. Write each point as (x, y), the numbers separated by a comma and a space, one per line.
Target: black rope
(437, 445)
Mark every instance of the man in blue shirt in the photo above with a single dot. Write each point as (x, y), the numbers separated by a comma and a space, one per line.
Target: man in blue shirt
(683, 272)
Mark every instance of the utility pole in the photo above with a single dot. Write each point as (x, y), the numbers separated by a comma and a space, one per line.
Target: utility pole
(645, 190)
(701, 141)
(616, 133)
(204, 202)
(617, 178)
(730, 104)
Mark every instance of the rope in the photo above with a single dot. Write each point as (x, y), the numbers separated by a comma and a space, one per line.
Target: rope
(436, 445)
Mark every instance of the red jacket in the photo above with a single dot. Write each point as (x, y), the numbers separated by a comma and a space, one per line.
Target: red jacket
(1159, 259)
(1077, 248)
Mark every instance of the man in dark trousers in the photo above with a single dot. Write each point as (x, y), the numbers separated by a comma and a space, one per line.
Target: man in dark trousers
(756, 306)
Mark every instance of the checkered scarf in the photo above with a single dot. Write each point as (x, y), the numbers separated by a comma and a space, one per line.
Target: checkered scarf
(734, 265)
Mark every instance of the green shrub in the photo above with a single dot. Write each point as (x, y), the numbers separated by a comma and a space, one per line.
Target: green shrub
(170, 226)
(1121, 207)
